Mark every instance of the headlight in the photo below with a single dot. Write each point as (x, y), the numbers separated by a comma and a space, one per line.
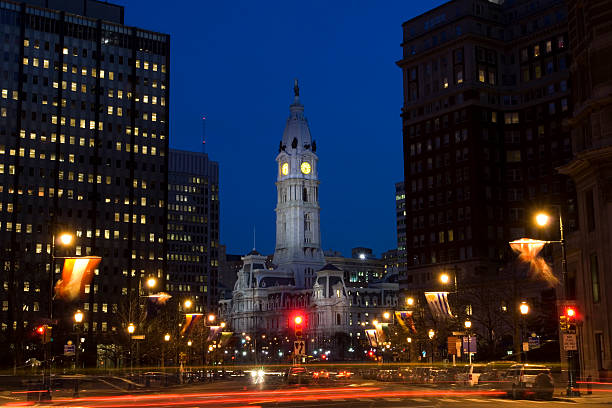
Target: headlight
(253, 374)
(261, 373)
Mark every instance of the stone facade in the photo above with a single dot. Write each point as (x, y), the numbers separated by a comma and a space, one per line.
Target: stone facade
(589, 256)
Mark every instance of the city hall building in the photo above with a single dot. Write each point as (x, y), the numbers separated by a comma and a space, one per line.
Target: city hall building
(300, 282)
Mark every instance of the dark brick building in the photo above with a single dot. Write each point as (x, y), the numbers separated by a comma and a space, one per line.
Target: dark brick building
(486, 89)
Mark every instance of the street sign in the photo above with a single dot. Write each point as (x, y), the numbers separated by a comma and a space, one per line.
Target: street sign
(569, 342)
(138, 337)
(534, 342)
(472, 344)
(69, 349)
(299, 348)
(525, 346)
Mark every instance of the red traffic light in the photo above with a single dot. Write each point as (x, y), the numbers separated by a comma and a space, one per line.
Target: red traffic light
(298, 319)
(570, 312)
(370, 353)
(40, 330)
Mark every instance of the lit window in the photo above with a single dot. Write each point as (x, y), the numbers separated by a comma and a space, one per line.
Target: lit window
(109, 110)
(481, 75)
(548, 46)
(536, 51)
(25, 61)
(35, 62)
(46, 63)
(538, 71)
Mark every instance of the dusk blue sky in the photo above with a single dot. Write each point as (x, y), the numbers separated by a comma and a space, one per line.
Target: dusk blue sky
(235, 61)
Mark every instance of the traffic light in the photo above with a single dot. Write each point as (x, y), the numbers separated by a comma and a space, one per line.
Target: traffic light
(298, 320)
(570, 313)
(45, 333)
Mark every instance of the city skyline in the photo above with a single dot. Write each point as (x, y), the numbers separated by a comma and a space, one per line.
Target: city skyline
(355, 120)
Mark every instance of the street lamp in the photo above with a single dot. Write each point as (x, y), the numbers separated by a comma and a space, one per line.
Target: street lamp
(410, 301)
(431, 335)
(131, 329)
(468, 325)
(187, 304)
(386, 315)
(211, 318)
(65, 239)
(166, 340)
(78, 318)
(524, 309)
(542, 219)
(151, 282)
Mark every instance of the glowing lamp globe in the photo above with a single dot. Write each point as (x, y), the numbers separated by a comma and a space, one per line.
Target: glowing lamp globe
(542, 219)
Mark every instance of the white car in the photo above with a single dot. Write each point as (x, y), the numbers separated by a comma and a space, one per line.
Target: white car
(470, 375)
(524, 379)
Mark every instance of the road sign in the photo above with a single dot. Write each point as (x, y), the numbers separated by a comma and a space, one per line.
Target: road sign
(299, 348)
(69, 349)
(569, 342)
(534, 342)
(471, 347)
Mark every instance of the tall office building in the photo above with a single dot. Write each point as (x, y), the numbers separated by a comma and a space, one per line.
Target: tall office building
(485, 94)
(83, 149)
(400, 221)
(193, 229)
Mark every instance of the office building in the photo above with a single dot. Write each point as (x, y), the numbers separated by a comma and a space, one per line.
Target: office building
(83, 149)
(193, 229)
(486, 91)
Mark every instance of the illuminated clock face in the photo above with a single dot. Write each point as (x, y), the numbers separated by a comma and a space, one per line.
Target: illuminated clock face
(285, 169)
(305, 167)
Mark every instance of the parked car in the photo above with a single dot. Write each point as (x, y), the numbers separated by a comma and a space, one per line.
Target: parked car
(297, 375)
(470, 375)
(529, 378)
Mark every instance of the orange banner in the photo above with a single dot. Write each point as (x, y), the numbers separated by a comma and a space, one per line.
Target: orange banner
(76, 274)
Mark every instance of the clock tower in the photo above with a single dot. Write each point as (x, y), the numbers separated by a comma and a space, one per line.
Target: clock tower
(298, 234)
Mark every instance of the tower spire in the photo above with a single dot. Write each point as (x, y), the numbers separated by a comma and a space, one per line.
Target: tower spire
(296, 88)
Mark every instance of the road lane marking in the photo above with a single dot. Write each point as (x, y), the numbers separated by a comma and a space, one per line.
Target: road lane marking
(447, 400)
(393, 399)
(420, 400)
(478, 400)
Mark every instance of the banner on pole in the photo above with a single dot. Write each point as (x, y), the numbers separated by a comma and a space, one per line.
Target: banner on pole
(438, 304)
(76, 274)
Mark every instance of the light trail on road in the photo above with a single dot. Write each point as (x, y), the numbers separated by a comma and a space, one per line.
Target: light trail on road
(249, 398)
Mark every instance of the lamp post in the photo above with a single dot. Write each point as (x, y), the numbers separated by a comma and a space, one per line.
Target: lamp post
(542, 219)
(431, 335)
(131, 329)
(78, 318)
(468, 325)
(65, 239)
(409, 340)
(524, 309)
(166, 340)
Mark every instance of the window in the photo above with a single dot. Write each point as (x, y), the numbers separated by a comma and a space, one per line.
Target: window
(548, 46)
(513, 156)
(481, 75)
(536, 51)
(560, 42)
(595, 278)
